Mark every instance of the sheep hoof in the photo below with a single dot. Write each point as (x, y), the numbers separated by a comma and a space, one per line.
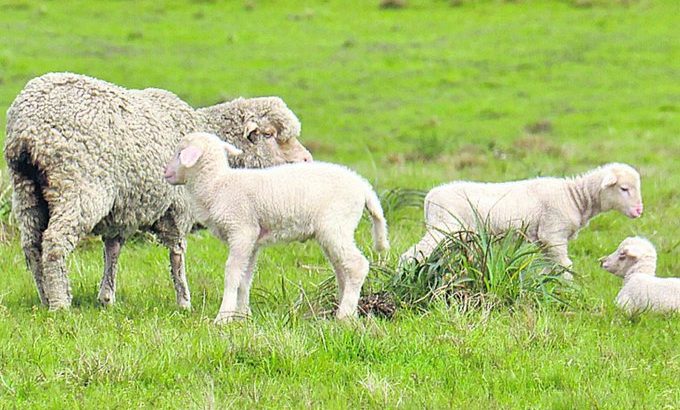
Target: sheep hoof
(184, 304)
(345, 315)
(567, 276)
(224, 318)
(107, 298)
(59, 305)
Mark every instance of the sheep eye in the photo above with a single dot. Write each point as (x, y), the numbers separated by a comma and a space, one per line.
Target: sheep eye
(624, 189)
(622, 256)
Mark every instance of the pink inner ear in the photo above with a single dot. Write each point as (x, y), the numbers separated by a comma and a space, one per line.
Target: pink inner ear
(189, 155)
(609, 180)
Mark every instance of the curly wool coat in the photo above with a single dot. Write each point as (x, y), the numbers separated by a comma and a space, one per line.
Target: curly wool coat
(87, 156)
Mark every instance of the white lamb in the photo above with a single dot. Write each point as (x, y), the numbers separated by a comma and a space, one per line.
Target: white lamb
(256, 207)
(635, 261)
(551, 209)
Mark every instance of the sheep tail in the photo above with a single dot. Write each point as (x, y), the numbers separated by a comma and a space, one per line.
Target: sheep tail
(380, 240)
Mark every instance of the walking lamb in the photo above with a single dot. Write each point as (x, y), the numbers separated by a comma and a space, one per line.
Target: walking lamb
(552, 210)
(250, 208)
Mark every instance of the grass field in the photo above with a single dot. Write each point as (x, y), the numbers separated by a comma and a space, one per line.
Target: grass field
(410, 97)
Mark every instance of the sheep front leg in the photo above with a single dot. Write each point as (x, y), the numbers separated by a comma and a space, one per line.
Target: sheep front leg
(107, 289)
(423, 248)
(557, 250)
(179, 276)
(240, 253)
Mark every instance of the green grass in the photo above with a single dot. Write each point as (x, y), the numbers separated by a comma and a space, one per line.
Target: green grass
(412, 97)
(481, 269)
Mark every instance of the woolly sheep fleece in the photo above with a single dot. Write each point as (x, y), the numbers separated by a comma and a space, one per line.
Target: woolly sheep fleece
(250, 208)
(86, 156)
(552, 210)
(635, 261)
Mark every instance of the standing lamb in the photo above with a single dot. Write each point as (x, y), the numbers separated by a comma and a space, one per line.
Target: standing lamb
(635, 261)
(86, 156)
(552, 210)
(249, 208)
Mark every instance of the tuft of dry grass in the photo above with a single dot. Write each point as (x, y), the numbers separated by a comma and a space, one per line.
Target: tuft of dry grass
(536, 144)
(539, 127)
(392, 4)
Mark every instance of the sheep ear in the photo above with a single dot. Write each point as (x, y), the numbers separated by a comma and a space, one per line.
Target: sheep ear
(609, 180)
(248, 129)
(632, 252)
(231, 150)
(189, 156)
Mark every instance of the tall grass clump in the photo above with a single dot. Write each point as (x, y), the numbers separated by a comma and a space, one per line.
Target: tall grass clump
(480, 269)
(467, 270)
(398, 198)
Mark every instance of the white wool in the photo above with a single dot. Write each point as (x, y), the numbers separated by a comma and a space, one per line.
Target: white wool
(552, 210)
(293, 202)
(635, 261)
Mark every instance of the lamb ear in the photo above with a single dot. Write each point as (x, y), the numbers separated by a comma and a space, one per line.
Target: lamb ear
(189, 156)
(632, 252)
(231, 150)
(248, 129)
(609, 180)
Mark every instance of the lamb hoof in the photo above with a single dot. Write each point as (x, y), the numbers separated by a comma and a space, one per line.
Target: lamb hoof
(567, 276)
(224, 318)
(346, 315)
(184, 304)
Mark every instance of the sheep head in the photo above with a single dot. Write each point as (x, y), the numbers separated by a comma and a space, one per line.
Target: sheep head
(264, 128)
(276, 129)
(620, 190)
(630, 253)
(207, 148)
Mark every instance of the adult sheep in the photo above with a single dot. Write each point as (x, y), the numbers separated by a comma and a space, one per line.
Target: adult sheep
(87, 156)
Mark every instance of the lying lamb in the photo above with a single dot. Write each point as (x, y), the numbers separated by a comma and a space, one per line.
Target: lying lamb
(635, 261)
(551, 209)
(249, 208)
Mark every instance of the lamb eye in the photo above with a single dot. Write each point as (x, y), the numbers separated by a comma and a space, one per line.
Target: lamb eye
(622, 256)
(624, 189)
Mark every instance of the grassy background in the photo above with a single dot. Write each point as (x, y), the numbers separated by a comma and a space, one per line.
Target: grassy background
(485, 90)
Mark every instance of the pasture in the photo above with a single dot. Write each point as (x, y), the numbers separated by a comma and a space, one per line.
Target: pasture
(408, 97)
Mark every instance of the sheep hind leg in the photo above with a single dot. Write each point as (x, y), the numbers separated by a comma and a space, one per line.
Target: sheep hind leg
(68, 224)
(32, 215)
(351, 269)
(421, 250)
(243, 295)
(107, 289)
(556, 249)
